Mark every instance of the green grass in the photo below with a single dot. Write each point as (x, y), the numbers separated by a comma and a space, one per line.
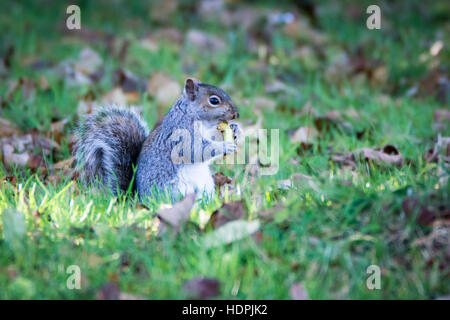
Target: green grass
(324, 239)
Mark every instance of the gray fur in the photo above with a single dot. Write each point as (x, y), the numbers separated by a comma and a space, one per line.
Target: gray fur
(108, 145)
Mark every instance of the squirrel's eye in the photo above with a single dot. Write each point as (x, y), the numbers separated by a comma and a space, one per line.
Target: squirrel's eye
(214, 100)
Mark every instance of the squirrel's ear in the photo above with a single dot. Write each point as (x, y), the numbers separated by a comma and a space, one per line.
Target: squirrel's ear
(191, 88)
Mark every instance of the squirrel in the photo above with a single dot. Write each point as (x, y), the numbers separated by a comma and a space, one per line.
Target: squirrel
(113, 142)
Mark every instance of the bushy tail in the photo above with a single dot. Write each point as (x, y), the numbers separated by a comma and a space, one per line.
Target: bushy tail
(108, 145)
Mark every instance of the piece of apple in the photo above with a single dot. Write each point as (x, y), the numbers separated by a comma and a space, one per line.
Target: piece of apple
(226, 131)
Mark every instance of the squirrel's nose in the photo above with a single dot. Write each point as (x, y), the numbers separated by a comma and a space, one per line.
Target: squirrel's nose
(235, 115)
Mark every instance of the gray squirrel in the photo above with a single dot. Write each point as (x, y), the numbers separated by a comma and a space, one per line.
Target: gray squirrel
(173, 158)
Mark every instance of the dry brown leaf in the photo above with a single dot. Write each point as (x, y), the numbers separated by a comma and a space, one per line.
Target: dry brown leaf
(300, 30)
(228, 212)
(10, 158)
(298, 292)
(7, 129)
(109, 291)
(389, 154)
(435, 246)
(440, 151)
(380, 76)
(331, 120)
(263, 104)
(56, 129)
(116, 96)
(84, 70)
(165, 90)
(64, 164)
(88, 62)
(202, 288)
(162, 11)
(220, 179)
(152, 41)
(305, 135)
(441, 119)
(425, 211)
(435, 83)
(204, 41)
(177, 215)
(28, 87)
(43, 83)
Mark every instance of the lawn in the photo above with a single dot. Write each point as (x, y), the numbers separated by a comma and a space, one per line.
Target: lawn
(361, 115)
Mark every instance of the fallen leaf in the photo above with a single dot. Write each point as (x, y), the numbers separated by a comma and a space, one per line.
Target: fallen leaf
(220, 179)
(298, 292)
(230, 232)
(441, 119)
(263, 104)
(115, 97)
(35, 161)
(178, 214)
(425, 211)
(435, 245)
(165, 90)
(305, 137)
(389, 154)
(129, 296)
(435, 83)
(332, 120)
(130, 84)
(269, 214)
(162, 12)
(228, 212)
(109, 291)
(64, 164)
(11, 179)
(28, 87)
(202, 288)
(205, 42)
(43, 83)
(84, 70)
(7, 129)
(56, 129)
(10, 158)
(88, 62)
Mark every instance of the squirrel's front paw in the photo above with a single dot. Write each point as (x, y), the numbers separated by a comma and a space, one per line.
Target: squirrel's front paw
(236, 130)
(229, 147)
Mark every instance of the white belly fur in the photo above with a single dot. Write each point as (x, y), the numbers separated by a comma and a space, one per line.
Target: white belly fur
(196, 178)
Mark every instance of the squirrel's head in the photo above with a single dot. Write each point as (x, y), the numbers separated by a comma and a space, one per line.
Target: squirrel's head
(209, 102)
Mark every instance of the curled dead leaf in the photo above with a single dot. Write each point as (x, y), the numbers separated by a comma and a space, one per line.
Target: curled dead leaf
(388, 155)
(228, 212)
(177, 215)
